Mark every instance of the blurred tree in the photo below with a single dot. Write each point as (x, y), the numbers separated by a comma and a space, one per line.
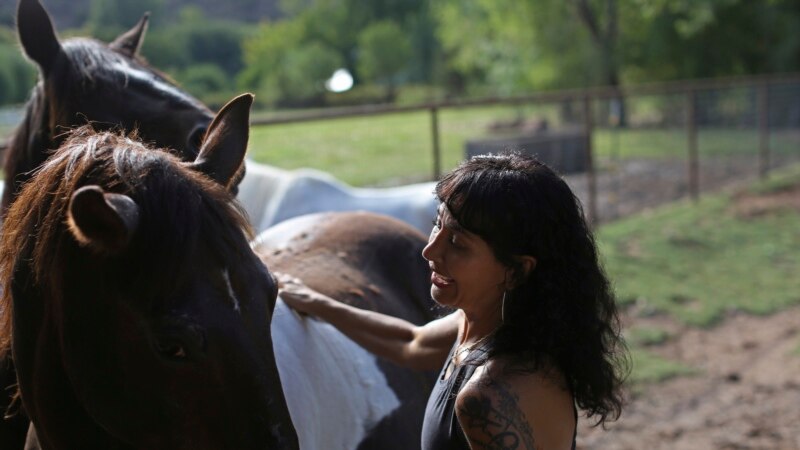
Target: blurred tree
(301, 79)
(195, 39)
(383, 52)
(203, 78)
(17, 75)
(107, 18)
(285, 70)
(337, 24)
(675, 39)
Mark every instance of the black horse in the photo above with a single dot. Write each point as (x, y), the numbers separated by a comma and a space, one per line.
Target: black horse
(141, 316)
(83, 80)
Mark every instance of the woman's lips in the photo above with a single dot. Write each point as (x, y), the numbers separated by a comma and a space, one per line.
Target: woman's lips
(440, 281)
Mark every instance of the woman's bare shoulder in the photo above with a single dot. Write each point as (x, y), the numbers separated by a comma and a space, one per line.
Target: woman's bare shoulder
(506, 409)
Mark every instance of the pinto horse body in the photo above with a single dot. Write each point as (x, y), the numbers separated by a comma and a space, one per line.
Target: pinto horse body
(372, 262)
(140, 313)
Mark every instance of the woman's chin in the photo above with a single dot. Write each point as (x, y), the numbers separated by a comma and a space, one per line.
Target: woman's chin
(442, 297)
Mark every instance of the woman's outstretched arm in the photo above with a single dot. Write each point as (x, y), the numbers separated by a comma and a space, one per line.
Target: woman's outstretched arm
(422, 347)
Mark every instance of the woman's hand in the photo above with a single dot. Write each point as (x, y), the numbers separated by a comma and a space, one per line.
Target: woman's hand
(297, 295)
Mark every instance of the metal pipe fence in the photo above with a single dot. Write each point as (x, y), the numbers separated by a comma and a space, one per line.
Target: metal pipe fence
(732, 128)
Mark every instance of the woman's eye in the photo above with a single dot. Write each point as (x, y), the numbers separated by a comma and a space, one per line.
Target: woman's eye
(453, 239)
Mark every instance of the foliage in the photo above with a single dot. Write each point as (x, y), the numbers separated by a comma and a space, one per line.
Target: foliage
(675, 39)
(383, 50)
(200, 78)
(17, 75)
(195, 39)
(473, 47)
(284, 69)
(107, 18)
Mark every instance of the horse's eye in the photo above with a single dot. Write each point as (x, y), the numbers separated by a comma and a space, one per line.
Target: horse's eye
(178, 340)
(171, 349)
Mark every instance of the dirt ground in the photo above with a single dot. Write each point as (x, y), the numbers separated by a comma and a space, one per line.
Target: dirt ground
(746, 391)
(745, 395)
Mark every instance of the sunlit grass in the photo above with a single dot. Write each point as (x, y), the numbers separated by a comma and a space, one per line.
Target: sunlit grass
(697, 261)
(649, 368)
(646, 336)
(398, 148)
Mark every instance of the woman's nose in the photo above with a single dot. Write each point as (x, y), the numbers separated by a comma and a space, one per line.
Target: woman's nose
(431, 250)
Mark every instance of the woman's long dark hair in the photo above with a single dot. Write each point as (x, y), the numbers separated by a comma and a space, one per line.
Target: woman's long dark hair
(563, 314)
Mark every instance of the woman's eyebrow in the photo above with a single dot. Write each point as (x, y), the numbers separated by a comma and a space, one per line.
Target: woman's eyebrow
(454, 226)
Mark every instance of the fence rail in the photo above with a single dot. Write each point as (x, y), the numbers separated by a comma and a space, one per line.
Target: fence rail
(588, 99)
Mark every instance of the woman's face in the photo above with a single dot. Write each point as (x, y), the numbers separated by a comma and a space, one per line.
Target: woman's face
(465, 273)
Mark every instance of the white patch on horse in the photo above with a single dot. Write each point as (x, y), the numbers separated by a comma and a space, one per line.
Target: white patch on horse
(132, 72)
(231, 293)
(335, 391)
(271, 195)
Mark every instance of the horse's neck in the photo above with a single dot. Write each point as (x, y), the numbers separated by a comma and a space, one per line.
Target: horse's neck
(27, 147)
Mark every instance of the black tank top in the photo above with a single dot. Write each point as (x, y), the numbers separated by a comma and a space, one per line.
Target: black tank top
(440, 428)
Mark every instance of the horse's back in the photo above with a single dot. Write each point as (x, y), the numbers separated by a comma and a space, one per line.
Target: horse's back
(364, 259)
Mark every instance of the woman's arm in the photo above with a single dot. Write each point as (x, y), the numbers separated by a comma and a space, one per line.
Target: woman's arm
(418, 347)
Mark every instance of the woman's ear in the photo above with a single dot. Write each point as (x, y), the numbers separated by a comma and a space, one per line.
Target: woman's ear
(525, 264)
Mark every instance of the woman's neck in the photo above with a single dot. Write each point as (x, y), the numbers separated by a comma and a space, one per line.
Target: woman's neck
(478, 325)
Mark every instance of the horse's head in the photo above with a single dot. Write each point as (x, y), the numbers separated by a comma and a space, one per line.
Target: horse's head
(141, 316)
(83, 80)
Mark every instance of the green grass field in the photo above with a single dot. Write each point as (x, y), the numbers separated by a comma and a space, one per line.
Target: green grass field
(397, 148)
(695, 262)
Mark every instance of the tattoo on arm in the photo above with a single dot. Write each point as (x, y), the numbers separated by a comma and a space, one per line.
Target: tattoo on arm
(496, 422)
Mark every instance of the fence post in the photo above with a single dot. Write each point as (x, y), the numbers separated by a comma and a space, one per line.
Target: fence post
(691, 124)
(763, 130)
(437, 157)
(591, 180)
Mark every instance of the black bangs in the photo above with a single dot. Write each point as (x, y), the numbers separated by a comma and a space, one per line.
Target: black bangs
(481, 197)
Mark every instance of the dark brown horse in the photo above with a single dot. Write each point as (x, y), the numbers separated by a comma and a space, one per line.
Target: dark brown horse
(369, 261)
(83, 80)
(141, 315)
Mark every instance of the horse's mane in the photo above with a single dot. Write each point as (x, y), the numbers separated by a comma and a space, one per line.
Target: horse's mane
(180, 209)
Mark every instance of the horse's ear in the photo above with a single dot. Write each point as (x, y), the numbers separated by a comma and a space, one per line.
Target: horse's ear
(37, 35)
(222, 153)
(130, 42)
(102, 221)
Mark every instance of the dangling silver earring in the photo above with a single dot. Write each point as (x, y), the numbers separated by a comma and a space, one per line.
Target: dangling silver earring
(503, 308)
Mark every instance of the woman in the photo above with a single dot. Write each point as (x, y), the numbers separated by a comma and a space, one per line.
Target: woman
(535, 329)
